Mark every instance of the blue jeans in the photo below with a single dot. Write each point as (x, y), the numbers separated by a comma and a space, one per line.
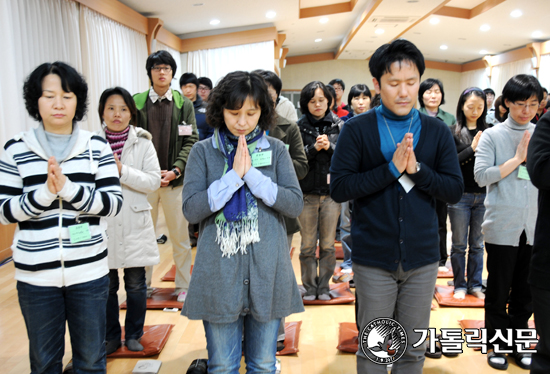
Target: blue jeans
(345, 231)
(224, 345)
(46, 309)
(136, 294)
(467, 215)
(320, 215)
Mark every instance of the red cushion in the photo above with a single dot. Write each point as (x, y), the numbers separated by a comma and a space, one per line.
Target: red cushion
(153, 340)
(161, 298)
(347, 337)
(292, 337)
(444, 296)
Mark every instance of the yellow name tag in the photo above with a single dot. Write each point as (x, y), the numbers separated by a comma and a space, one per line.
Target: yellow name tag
(260, 159)
(79, 233)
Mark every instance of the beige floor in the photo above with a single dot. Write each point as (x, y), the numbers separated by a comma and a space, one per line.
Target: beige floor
(318, 338)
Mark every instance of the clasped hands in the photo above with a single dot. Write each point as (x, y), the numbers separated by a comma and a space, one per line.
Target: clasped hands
(404, 158)
(322, 142)
(56, 179)
(242, 162)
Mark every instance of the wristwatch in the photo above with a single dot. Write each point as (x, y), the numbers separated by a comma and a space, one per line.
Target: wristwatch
(418, 165)
(178, 174)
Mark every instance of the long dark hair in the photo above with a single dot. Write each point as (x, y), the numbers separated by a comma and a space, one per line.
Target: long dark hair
(461, 128)
(500, 102)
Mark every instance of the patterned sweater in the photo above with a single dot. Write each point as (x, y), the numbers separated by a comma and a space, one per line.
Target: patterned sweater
(43, 253)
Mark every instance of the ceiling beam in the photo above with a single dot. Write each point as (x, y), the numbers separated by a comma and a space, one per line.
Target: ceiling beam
(326, 10)
(230, 39)
(443, 66)
(310, 58)
(449, 11)
(153, 27)
(359, 22)
(118, 12)
(166, 37)
(433, 11)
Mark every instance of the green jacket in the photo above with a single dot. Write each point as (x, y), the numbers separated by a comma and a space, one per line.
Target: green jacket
(180, 146)
(448, 118)
(289, 133)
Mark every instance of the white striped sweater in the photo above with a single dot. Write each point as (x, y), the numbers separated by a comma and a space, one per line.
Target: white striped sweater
(42, 251)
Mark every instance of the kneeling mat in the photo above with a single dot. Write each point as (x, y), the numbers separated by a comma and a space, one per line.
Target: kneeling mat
(161, 298)
(480, 324)
(340, 293)
(292, 337)
(170, 275)
(445, 274)
(153, 340)
(338, 251)
(444, 296)
(347, 337)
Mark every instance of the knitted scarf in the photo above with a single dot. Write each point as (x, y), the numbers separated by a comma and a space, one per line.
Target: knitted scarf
(117, 139)
(237, 222)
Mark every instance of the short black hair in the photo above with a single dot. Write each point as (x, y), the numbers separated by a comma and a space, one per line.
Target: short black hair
(128, 99)
(231, 93)
(426, 85)
(332, 98)
(309, 91)
(206, 81)
(187, 78)
(338, 81)
(397, 51)
(160, 58)
(544, 90)
(522, 87)
(71, 81)
(461, 121)
(358, 90)
(488, 91)
(272, 79)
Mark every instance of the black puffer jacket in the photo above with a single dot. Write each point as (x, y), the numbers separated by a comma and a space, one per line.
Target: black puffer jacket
(316, 180)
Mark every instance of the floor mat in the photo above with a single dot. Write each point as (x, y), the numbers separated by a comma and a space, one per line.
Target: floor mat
(347, 337)
(170, 275)
(153, 340)
(161, 298)
(444, 297)
(340, 294)
(292, 338)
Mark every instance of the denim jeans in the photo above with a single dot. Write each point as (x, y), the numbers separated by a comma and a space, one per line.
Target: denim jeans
(466, 218)
(345, 237)
(224, 342)
(320, 215)
(136, 300)
(46, 309)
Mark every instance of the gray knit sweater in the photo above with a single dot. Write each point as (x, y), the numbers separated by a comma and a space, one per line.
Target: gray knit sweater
(511, 203)
(261, 282)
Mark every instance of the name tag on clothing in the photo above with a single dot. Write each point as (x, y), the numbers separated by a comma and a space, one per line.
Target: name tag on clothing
(406, 182)
(79, 233)
(260, 159)
(287, 146)
(184, 130)
(523, 174)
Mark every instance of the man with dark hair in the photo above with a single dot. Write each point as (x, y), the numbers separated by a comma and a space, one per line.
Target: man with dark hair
(283, 106)
(342, 108)
(394, 162)
(490, 117)
(205, 86)
(189, 87)
(171, 120)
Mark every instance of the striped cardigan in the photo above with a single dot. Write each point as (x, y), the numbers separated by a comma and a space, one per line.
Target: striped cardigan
(42, 250)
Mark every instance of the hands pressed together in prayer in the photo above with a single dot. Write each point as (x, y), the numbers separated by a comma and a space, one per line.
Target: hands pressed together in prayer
(56, 179)
(242, 162)
(322, 142)
(404, 158)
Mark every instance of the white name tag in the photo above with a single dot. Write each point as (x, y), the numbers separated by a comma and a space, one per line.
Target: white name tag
(185, 130)
(406, 182)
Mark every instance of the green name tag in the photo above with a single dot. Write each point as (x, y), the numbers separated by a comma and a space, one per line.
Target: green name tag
(523, 174)
(260, 159)
(287, 146)
(79, 233)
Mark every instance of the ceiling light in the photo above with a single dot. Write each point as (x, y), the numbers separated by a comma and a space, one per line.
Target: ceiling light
(434, 20)
(483, 52)
(318, 40)
(485, 27)
(323, 20)
(379, 31)
(270, 14)
(536, 34)
(215, 22)
(443, 47)
(198, 4)
(516, 13)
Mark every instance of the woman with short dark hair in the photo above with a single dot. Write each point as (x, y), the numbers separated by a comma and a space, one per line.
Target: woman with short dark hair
(431, 96)
(238, 186)
(59, 249)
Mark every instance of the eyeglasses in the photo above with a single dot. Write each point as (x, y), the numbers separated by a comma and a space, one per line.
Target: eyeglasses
(525, 105)
(204, 88)
(338, 89)
(160, 68)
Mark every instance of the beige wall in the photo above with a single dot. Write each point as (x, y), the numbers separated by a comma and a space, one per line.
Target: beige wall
(295, 77)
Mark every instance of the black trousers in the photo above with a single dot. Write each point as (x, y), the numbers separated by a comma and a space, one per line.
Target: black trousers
(540, 363)
(508, 269)
(441, 210)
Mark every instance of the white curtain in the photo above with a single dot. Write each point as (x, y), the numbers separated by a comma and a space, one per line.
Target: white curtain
(544, 71)
(216, 63)
(502, 73)
(474, 78)
(175, 85)
(32, 32)
(112, 55)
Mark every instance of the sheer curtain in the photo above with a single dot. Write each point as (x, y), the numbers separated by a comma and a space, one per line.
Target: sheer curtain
(544, 71)
(32, 32)
(175, 85)
(502, 73)
(216, 63)
(474, 78)
(112, 55)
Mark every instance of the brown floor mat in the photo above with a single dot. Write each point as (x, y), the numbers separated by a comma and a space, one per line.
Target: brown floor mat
(340, 293)
(161, 298)
(445, 274)
(347, 337)
(292, 338)
(444, 297)
(338, 251)
(153, 340)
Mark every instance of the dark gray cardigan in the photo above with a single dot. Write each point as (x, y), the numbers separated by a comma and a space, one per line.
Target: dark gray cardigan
(262, 282)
